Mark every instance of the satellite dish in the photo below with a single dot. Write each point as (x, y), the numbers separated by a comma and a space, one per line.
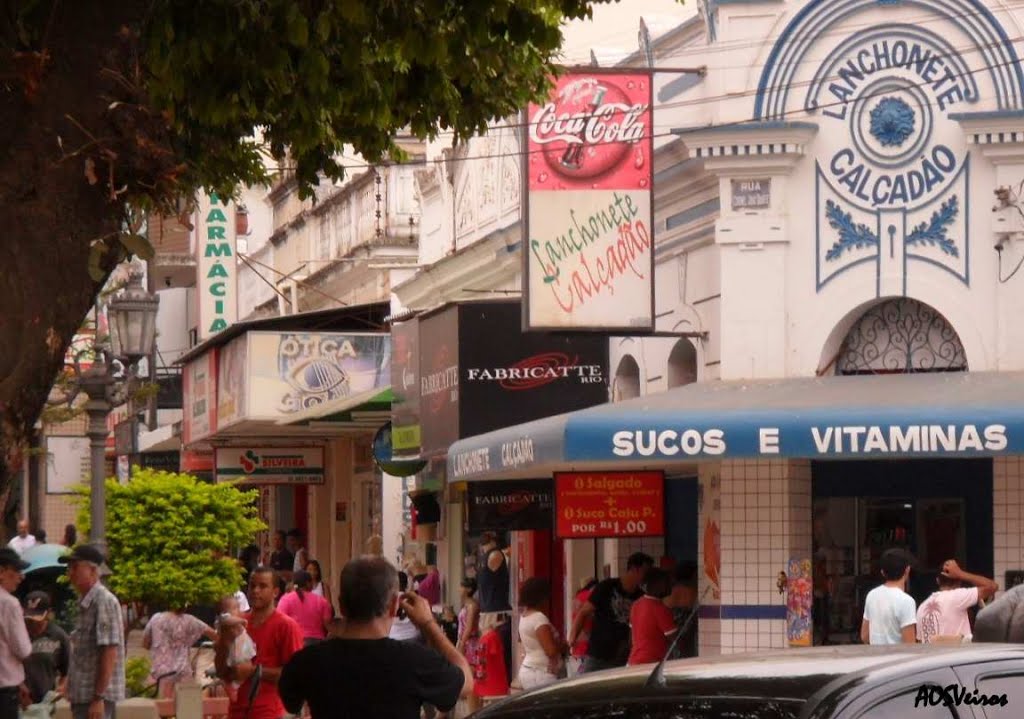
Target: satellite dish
(386, 463)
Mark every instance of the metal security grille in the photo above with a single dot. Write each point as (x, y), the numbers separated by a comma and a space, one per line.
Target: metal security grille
(901, 335)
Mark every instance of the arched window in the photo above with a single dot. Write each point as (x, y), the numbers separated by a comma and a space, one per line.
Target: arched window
(682, 364)
(901, 335)
(627, 380)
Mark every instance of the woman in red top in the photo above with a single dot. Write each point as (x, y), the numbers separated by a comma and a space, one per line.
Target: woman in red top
(651, 621)
(490, 678)
(579, 648)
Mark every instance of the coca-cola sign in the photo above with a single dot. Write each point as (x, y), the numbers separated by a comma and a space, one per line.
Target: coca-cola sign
(589, 259)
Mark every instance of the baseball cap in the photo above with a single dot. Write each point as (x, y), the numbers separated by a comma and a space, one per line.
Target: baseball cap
(10, 558)
(37, 605)
(84, 553)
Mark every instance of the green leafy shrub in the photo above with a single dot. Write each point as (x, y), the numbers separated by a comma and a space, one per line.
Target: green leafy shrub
(136, 675)
(169, 536)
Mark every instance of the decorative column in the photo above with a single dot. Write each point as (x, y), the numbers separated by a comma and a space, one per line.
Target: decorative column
(752, 162)
(96, 383)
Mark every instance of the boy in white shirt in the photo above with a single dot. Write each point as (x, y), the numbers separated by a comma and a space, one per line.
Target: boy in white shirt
(889, 612)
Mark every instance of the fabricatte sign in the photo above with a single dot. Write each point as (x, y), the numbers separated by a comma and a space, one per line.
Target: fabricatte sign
(479, 372)
(589, 261)
(217, 271)
(509, 505)
(609, 504)
(270, 465)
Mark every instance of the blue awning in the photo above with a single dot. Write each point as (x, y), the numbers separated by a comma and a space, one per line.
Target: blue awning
(978, 414)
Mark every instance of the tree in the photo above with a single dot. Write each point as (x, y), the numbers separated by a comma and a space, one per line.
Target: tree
(169, 537)
(110, 110)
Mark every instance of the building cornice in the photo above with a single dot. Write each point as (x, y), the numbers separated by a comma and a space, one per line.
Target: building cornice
(999, 136)
(483, 265)
(756, 146)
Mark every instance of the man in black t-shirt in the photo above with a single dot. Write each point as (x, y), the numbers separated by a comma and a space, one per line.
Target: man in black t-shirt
(50, 648)
(609, 605)
(363, 673)
(281, 560)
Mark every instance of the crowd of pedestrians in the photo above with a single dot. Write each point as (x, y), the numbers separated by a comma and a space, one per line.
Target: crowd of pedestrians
(389, 654)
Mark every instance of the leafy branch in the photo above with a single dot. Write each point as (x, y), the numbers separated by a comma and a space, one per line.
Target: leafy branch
(933, 232)
(851, 236)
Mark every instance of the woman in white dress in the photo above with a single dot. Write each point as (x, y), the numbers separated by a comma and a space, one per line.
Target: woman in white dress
(543, 648)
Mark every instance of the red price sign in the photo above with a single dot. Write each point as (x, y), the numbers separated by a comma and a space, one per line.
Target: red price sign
(591, 505)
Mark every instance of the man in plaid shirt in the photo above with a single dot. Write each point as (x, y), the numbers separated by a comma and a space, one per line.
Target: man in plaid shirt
(96, 675)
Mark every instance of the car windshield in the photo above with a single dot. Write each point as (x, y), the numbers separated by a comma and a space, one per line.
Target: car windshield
(677, 708)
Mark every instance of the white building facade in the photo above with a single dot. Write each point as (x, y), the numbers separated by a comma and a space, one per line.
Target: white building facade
(837, 233)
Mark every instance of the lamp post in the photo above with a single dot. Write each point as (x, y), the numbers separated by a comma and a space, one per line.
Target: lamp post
(109, 381)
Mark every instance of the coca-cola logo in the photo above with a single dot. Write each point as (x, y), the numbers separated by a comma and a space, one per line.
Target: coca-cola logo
(589, 128)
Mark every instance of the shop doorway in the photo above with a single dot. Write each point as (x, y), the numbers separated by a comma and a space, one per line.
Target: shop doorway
(681, 522)
(936, 509)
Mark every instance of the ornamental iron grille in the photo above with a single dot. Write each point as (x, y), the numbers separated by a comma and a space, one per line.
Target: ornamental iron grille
(901, 335)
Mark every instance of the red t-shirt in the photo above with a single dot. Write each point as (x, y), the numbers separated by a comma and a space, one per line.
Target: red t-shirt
(579, 649)
(651, 622)
(276, 640)
(491, 679)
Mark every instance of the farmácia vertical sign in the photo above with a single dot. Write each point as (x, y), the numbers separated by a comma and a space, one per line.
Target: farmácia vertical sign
(589, 260)
(218, 272)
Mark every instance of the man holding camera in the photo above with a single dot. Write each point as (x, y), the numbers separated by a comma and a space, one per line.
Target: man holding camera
(363, 672)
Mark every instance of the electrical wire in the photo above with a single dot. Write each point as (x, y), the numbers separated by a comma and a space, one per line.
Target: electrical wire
(673, 132)
(500, 127)
(1004, 280)
(957, 51)
(308, 285)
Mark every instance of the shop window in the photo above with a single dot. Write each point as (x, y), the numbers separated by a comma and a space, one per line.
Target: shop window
(898, 336)
(682, 364)
(627, 380)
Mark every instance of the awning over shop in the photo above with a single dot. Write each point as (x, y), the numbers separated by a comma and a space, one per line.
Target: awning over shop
(373, 406)
(863, 417)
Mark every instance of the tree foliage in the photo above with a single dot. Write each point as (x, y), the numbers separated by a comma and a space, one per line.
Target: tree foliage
(110, 110)
(169, 536)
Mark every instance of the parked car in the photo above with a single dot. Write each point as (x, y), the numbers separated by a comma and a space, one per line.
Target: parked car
(835, 682)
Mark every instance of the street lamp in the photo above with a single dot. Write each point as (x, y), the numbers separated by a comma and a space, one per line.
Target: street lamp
(108, 383)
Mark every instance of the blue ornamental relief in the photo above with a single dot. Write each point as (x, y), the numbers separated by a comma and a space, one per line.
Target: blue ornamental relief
(892, 121)
(933, 232)
(852, 236)
(892, 180)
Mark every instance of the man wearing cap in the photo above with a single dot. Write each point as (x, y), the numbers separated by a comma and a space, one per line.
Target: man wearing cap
(14, 642)
(96, 676)
(51, 648)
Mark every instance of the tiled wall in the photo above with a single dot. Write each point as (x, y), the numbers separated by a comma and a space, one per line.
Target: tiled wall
(1008, 516)
(763, 512)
